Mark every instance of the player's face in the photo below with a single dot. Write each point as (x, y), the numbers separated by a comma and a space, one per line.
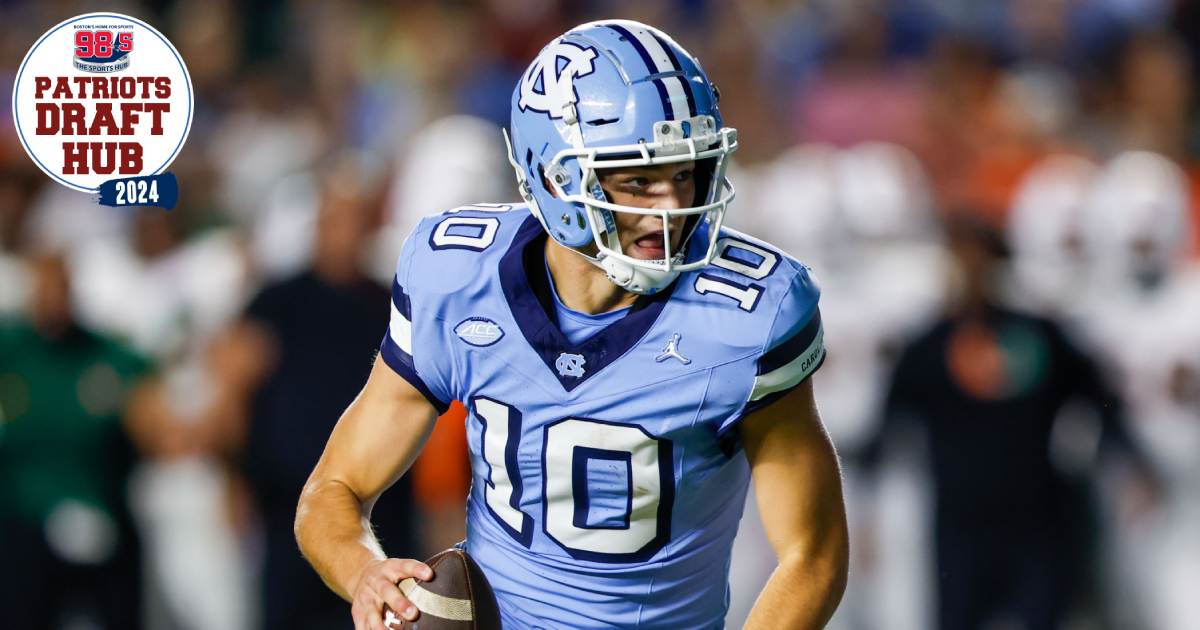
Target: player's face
(663, 187)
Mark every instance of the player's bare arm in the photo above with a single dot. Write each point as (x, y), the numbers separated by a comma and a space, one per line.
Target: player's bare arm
(374, 442)
(798, 485)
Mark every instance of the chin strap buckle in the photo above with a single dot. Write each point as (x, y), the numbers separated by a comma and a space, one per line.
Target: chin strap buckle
(569, 113)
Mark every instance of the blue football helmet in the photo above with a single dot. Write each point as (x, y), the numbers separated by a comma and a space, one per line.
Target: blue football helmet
(618, 94)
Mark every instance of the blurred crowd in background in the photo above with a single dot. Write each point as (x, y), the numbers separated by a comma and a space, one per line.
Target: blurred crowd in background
(1000, 199)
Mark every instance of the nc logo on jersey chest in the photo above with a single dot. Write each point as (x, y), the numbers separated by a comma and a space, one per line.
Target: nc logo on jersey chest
(548, 84)
(479, 331)
(570, 365)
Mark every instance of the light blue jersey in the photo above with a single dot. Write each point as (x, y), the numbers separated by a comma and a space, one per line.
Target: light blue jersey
(608, 481)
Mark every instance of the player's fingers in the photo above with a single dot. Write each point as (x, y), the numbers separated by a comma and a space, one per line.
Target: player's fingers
(368, 606)
(391, 595)
(358, 614)
(377, 624)
(391, 620)
(397, 569)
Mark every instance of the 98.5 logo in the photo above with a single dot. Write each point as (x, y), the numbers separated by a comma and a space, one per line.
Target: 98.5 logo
(103, 104)
(102, 50)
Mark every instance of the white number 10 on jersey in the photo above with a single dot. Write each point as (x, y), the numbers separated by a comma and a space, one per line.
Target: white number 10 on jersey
(634, 525)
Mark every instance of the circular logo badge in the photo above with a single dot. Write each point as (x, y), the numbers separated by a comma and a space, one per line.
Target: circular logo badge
(102, 97)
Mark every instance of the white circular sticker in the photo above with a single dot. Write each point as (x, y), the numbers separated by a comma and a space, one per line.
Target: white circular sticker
(101, 97)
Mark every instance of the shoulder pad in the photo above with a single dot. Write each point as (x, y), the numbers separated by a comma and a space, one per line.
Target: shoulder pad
(446, 252)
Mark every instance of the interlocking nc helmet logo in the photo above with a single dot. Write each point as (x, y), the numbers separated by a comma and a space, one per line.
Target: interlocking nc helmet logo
(570, 365)
(672, 351)
(548, 84)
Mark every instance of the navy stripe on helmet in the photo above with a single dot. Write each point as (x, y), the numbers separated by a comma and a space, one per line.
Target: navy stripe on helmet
(668, 111)
(687, 87)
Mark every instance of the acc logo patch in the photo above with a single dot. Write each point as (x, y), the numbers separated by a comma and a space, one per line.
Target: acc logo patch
(479, 331)
(548, 84)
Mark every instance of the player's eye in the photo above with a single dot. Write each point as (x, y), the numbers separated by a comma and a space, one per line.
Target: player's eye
(684, 175)
(637, 182)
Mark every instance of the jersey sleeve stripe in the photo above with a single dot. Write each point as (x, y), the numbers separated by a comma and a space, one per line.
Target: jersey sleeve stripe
(400, 325)
(793, 372)
(401, 363)
(796, 346)
(400, 330)
(396, 348)
(401, 301)
(755, 405)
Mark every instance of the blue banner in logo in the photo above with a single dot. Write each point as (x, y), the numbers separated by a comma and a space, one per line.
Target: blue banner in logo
(154, 190)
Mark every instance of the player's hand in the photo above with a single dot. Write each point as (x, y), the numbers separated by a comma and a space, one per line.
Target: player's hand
(377, 587)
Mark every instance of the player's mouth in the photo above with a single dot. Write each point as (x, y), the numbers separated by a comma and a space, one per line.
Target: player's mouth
(649, 247)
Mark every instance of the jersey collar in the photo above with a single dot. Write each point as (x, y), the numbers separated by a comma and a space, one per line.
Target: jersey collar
(528, 302)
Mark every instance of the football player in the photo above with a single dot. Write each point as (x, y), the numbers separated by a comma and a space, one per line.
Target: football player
(628, 364)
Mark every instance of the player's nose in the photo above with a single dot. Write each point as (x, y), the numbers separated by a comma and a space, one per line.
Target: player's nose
(653, 223)
(670, 200)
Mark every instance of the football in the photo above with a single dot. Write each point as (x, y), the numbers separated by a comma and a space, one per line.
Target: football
(457, 598)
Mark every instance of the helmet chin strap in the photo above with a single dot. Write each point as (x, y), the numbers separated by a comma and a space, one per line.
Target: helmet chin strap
(630, 277)
(636, 279)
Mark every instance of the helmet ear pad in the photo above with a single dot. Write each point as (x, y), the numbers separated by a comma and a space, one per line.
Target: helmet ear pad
(564, 220)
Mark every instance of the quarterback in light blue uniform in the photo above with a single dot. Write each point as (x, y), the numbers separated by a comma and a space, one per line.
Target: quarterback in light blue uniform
(612, 444)
(608, 487)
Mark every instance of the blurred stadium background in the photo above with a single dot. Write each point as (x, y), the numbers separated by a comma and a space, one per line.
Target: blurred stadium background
(168, 378)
